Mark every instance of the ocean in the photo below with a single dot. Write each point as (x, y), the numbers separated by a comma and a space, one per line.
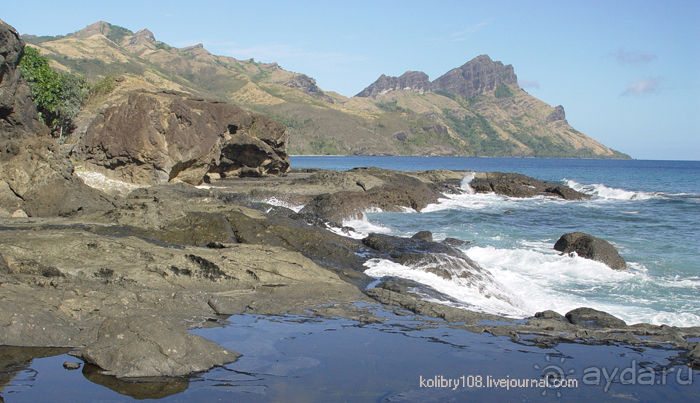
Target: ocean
(649, 210)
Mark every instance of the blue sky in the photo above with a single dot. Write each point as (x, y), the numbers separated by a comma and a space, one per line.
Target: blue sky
(626, 72)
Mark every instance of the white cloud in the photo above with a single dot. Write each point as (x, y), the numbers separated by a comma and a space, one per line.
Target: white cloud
(529, 84)
(643, 86)
(634, 57)
(467, 33)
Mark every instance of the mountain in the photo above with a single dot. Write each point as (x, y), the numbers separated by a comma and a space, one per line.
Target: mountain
(476, 109)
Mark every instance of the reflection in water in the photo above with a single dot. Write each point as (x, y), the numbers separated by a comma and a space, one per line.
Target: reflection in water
(153, 388)
(319, 360)
(14, 360)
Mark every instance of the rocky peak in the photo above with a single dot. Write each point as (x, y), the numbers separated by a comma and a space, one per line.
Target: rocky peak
(557, 114)
(415, 81)
(197, 52)
(141, 41)
(302, 82)
(144, 35)
(100, 27)
(475, 77)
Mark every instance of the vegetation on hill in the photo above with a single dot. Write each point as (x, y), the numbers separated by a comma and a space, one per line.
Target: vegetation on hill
(501, 120)
(58, 96)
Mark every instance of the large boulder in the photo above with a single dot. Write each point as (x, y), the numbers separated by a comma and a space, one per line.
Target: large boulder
(365, 189)
(589, 247)
(34, 176)
(592, 318)
(154, 138)
(18, 113)
(143, 346)
(518, 185)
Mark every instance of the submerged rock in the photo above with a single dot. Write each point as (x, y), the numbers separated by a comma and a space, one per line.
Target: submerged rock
(589, 247)
(144, 346)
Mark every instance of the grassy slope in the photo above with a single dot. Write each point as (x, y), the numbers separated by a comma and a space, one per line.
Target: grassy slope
(397, 123)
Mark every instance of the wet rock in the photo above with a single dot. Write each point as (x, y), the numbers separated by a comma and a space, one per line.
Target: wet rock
(425, 236)
(456, 242)
(439, 259)
(518, 185)
(590, 247)
(144, 346)
(591, 318)
(550, 315)
(71, 366)
(382, 189)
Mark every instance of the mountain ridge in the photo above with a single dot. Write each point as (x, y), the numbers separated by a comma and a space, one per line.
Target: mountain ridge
(476, 109)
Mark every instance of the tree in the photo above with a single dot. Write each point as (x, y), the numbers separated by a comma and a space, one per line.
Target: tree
(57, 96)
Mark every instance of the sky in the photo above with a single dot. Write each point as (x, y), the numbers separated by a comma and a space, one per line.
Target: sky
(626, 72)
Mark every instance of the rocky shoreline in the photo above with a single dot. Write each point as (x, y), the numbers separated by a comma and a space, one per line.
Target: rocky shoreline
(120, 280)
(122, 286)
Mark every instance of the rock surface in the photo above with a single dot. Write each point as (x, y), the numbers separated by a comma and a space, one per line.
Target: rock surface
(364, 189)
(475, 77)
(518, 185)
(18, 114)
(144, 346)
(153, 138)
(415, 81)
(34, 175)
(589, 317)
(590, 247)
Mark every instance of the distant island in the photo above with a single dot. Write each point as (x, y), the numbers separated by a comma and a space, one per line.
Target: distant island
(477, 109)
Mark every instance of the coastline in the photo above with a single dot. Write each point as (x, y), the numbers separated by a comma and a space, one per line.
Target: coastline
(212, 253)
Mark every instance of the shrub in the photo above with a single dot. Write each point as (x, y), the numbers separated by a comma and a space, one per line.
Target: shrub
(57, 96)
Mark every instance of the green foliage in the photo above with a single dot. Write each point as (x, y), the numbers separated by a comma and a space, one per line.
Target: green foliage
(58, 96)
(117, 33)
(35, 40)
(481, 137)
(447, 94)
(163, 46)
(327, 147)
(390, 106)
(104, 86)
(503, 91)
(94, 69)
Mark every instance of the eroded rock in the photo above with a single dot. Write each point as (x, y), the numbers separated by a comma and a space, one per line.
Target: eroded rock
(154, 138)
(589, 247)
(147, 346)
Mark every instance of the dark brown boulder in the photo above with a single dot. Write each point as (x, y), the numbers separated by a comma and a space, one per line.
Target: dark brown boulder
(18, 113)
(518, 185)
(590, 247)
(153, 138)
(591, 318)
(34, 175)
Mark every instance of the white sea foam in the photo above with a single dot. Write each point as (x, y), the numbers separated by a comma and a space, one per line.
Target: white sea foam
(476, 292)
(604, 192)
(547, 280)
(361, 228)
(466, 181)
(283, 203)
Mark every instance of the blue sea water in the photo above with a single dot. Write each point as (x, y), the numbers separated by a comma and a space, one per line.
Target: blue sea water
(650, 210)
